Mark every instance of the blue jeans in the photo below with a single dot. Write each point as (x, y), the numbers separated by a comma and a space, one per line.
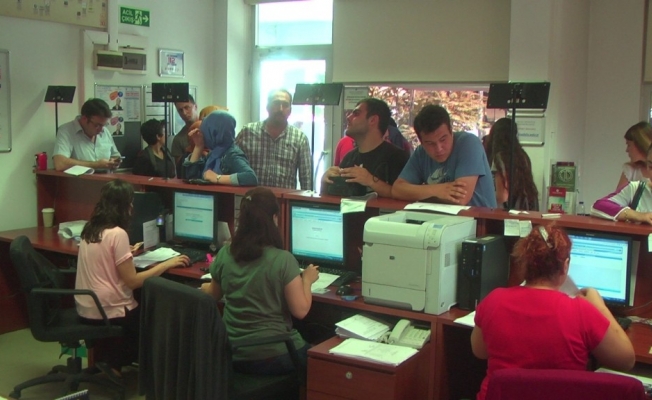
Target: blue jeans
(279, 365)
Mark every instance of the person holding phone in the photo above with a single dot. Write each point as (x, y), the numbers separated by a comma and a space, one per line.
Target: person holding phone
(86, 141)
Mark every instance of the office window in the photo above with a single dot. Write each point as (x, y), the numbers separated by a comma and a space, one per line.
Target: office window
(295, 23)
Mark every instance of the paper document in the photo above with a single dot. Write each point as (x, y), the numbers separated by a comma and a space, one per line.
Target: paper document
(158, 255)
(151, 234)
(362, 327)
(442, 208)
(79, 170)
(323, 282)
(468, 320)
(569, 287)
(374, 351)
(514, 227)
(71, 229)
(356, 203)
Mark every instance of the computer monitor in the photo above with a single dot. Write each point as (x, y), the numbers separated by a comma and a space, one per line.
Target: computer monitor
(602, 261)
(317, 234)
(147, 207)
(195, 217)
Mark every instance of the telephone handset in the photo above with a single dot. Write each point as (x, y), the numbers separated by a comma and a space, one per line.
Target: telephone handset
(404, 334)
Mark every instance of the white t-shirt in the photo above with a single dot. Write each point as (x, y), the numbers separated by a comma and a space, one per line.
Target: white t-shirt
(97, 271)
(633, 173)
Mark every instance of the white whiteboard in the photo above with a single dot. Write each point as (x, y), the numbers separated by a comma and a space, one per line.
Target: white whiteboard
(5, 103)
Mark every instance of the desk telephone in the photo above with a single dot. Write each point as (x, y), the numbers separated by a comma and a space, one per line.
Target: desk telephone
(404, 334)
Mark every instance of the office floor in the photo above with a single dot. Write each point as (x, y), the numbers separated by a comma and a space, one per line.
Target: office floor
(25, 358)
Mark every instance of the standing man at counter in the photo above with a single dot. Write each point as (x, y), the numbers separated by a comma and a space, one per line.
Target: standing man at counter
(449, 167)
(275, 149)
(374, 162)
(188, 112)
(86, 141)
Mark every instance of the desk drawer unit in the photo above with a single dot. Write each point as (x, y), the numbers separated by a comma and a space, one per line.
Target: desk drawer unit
(336, 377)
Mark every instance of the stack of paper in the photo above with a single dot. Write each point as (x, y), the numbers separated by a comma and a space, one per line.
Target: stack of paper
(151, 257)
(71, 229)
(361, 327)
(373, 351)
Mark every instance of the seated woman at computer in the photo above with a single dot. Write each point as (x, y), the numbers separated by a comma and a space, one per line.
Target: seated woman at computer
(225, 164)
(537, 326)
(151, 161)
(262, 285)
(105, 265)
(631, 203)
(638, 139)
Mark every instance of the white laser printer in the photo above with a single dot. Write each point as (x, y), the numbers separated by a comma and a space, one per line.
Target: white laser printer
(409, 259)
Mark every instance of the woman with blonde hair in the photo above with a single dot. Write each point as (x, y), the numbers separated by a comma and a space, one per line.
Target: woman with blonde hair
(638, 139)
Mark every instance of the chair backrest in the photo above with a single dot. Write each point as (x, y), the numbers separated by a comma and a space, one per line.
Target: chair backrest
(540, 384)
(184, 352)
(36, 271)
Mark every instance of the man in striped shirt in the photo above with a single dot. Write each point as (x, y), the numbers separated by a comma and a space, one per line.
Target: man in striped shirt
(275, 149)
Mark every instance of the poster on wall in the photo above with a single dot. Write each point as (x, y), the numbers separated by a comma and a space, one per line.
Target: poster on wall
(5, 103)
(125, 103)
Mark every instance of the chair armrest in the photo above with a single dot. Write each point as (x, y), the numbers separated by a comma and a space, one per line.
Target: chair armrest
(82, 292)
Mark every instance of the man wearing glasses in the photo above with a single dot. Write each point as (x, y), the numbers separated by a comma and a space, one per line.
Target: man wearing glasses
(275, 149)
(85, 140)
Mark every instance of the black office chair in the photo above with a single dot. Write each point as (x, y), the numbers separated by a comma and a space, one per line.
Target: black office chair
(43, 284)
(185, 352)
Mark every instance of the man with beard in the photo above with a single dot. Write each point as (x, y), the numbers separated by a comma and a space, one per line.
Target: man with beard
(374, 163)
(275, 149)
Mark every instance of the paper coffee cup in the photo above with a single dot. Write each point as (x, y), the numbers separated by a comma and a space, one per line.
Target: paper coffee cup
(48, 217)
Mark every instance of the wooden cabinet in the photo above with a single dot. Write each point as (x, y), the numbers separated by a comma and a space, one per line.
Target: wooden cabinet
(336, 377)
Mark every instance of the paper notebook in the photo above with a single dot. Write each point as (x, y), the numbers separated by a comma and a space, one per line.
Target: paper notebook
(373, 351)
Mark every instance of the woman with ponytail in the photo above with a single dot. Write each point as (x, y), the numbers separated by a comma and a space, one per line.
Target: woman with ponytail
(536, 326)
(262, 285)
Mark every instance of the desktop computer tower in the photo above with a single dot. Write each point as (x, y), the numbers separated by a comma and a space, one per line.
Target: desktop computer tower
(483, 266)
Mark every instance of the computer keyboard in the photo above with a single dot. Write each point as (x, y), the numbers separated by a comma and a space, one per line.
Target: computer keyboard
(195, 255)
(344, 276)
(624, 322)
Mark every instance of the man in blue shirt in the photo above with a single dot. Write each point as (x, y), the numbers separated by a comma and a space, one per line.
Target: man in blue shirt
(448, 167)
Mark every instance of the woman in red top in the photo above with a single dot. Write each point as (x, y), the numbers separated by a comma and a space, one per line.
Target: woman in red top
(538, 327)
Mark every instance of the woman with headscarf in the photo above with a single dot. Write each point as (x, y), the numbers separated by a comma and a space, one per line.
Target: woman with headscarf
(226, 163)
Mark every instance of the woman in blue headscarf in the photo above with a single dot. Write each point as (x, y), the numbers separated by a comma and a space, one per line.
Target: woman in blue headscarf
(226, 163)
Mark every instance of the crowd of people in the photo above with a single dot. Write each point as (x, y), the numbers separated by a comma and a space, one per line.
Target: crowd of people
(263, 285)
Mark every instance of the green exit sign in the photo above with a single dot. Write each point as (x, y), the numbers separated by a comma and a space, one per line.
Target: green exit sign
(134, 16)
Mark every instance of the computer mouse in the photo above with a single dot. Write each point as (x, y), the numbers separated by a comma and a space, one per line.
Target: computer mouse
(344, 290)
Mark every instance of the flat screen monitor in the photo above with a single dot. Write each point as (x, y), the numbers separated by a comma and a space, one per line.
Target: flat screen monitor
(317, 234)
(602, 261)
(195, 217)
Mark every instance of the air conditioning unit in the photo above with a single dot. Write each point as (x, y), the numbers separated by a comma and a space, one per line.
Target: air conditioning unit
(108, 60)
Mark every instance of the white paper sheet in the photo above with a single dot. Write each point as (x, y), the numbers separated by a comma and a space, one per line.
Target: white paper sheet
(374, 351)
(442, 208)
(468, 320)
(362, 327)
(71, 229)
(151, 234)
(79, 170)
(357, 203)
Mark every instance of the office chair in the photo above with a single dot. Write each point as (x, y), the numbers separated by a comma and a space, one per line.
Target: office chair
(558, 384)
(185, 352)
(43, 284)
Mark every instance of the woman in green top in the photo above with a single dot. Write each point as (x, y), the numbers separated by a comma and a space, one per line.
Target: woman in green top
(262, 285)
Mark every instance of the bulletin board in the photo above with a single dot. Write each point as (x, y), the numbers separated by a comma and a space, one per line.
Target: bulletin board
(5, 103)
(91, 13)
(125, 103)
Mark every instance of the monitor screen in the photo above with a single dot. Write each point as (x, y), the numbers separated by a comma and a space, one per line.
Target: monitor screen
(604, 262)
(317, 233)
(195, 217)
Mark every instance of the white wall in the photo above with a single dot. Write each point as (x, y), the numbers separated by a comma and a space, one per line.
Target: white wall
(614, 86)
(46, 53)
(420, 41)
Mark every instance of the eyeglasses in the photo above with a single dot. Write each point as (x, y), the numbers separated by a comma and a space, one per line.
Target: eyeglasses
(98, 125)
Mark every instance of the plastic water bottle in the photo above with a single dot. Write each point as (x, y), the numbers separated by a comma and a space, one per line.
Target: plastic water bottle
(580, 209)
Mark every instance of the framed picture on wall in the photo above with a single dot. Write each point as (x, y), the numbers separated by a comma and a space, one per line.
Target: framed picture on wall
(171, 63)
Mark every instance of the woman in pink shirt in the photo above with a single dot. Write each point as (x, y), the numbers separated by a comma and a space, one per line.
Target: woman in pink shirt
(105, 265)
